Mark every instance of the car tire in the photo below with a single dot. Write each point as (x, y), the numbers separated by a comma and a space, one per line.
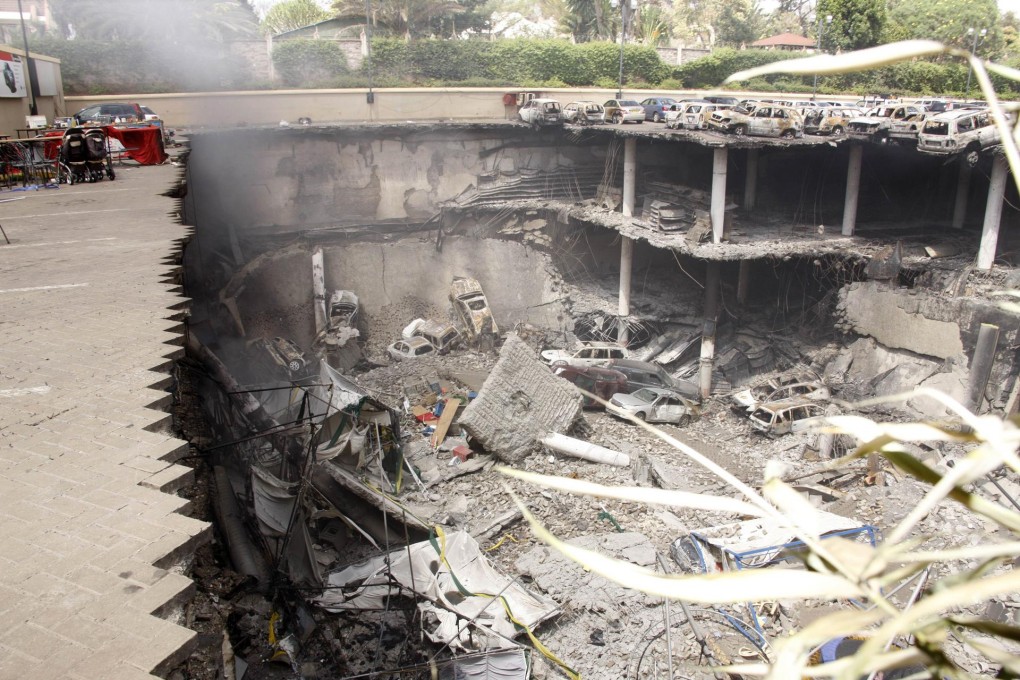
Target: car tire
(685, 420)
(788, 134)
(882, 138)
(618, 118)
(740, 130)
(837, 131)
(656, 118)
(640, 416)
(972, 155)
(294, 366)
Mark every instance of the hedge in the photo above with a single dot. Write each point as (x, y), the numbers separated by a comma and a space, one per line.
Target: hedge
(305, 61)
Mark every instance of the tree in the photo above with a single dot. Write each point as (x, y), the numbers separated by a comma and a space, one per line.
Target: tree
(948, 22)
(589, 20)
(856, 24)
(739, 22)
(292, 14)
(413, 18)
(161, 21)
(650, 26)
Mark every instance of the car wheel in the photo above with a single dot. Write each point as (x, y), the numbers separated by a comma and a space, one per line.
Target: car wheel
(640, 415)
(685, 420)
(788, 134)
(618, 118)
(973, 155)
(740, 130)
(294, 366)
(837, 131)
(882, 138)
(656, 118)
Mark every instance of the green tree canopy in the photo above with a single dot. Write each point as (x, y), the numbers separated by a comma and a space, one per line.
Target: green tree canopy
(856, 24)
(292, 14)
(948, 21)
(410, 19)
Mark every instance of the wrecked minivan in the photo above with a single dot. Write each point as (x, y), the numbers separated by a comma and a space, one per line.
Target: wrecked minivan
(473, 309)
(781, 417)
(443, 336)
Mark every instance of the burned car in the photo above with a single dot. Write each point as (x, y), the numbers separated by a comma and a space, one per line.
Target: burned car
(620, 111)
(472, 307)
(539, 112)
(283, 352)
(584, 113)
(876, 125)
(745, 401)
(443, 336)
(763, 121)
(656, 406)
(961, 130)
(340, 319)
(587, 354)
(602, 382)
(695, 115)
(411, 348)
(830, 120)
(781, 417)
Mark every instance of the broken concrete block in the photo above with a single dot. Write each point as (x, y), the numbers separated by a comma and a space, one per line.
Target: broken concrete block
(520, 402)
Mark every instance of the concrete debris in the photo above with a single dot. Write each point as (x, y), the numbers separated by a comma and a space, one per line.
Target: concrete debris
(520, 402)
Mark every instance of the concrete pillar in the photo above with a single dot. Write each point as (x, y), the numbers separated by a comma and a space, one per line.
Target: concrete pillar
(718, 193)
(981, 366)
(993, 213)
(629, 175)
(751, 181)
(626, 267)
(318, 291)
(708, 332)
(853, 188)
(962, 191)
(743, 281)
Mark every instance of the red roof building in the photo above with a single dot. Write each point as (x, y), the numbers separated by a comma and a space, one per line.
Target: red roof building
(786, 41)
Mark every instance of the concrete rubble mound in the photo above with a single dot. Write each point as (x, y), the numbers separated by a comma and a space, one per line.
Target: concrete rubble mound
(520, 402)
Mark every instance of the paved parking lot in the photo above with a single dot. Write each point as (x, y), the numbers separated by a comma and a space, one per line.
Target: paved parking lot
(91, 320)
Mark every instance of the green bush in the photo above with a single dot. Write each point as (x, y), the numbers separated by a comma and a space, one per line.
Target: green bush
(303, 62)
(711, 70)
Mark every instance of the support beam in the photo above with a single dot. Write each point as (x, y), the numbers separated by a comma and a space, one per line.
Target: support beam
(719, 159)
(751, 181)
(626, 267)
(318, 291)
(993, 213)
(962, 192)
(981, 366)
(629, 175)
(743, 281)
(708, 333)
(853, 189)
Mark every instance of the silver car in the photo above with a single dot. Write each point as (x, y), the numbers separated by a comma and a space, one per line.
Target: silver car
(657, 406)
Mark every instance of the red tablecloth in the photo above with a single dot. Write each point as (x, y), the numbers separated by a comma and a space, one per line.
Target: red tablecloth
(141, 144)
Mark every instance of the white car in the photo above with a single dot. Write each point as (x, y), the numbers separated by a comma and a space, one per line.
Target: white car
(622, 111)
(583, 113)
(960, 130)
(587, 354)
(656, 406)
(695, 115)
(411, 348)
(539, 112)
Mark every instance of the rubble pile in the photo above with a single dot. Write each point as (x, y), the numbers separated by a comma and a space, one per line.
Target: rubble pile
(390, 541)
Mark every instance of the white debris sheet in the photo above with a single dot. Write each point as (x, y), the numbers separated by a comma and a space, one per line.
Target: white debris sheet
(451, 572)
(753, 535)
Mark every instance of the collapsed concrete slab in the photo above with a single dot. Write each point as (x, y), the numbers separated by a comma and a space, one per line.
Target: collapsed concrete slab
(520, 402)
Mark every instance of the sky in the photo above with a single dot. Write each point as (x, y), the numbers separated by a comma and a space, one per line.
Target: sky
(1009, 6)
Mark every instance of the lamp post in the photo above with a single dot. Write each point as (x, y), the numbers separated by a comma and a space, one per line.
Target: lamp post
(820, 32)
(623, 35)
(973, 48)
